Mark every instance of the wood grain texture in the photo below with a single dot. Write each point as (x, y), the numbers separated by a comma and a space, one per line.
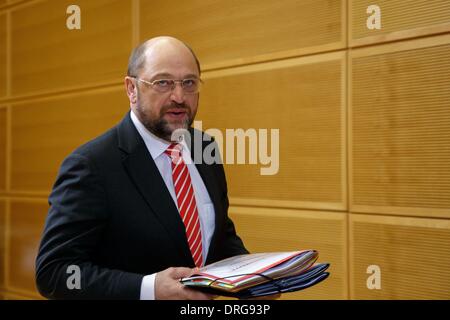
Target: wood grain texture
(44, 132)
(12, 295)
(269, 230)
(3, 48)
(303, 98)
(400, 129)
(47, 56)
(2, 242)
(236, 32)
(3, 153)
(26, 225)
(399, 20)
(412, 253)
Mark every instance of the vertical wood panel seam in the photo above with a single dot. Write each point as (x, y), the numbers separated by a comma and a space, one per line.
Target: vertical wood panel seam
(8, 107)
(6, 238)
(345, 142)
(8, 53)
(3, 202)
(7, 219)
(345, 262)
(344, 130)
(135, 23)
(344, 23)
(349, 168)
(349, 22)
(8, 149)
(350, 256)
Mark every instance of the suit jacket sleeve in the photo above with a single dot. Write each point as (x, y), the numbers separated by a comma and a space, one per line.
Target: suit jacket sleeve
(74, 225)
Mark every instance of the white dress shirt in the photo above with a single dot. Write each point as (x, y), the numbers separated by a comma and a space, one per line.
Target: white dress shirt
(156, 148)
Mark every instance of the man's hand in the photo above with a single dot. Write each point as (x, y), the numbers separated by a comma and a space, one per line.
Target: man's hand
(168, 286)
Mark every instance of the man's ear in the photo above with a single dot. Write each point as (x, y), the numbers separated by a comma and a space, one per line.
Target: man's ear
(131, 89)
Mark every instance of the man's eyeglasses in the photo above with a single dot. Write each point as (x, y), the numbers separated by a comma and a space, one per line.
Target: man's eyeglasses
(189, 86)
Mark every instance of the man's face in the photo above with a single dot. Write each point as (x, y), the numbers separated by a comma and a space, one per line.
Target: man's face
(162, 113)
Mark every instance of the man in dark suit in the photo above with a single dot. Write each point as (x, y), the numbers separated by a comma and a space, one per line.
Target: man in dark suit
(118, 210)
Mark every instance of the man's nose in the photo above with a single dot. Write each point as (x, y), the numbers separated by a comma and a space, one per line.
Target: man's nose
(177, 94)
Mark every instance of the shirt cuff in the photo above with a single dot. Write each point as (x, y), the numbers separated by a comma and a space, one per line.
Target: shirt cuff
(148, 287)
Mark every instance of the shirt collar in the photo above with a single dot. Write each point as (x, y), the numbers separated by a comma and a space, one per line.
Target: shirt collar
(155, 145)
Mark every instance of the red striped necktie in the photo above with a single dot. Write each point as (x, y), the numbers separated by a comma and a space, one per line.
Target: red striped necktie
(187, 205)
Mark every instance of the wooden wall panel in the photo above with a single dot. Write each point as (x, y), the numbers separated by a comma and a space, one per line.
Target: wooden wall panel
(2, 242)
(412, 253)
(399, 20)
(27, 220)
(3, 149)
(303, 98)
(3, 48)
(400, 128)
(45, 132)
(46, 56)
(13, 296)
(235, 32)
(268, 230)
(6, 4)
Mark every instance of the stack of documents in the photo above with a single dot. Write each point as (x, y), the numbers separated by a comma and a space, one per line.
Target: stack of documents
(260, 274)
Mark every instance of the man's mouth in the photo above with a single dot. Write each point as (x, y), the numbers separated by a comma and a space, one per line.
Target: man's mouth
(176, 113)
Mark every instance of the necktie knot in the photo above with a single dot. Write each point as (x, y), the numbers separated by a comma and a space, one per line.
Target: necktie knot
(174, 152)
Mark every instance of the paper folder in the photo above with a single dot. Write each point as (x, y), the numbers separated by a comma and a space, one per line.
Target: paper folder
(260, 274)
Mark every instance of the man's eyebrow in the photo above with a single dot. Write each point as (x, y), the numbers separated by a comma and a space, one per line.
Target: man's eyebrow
(162, 75)
(166, 75)
(191, 75)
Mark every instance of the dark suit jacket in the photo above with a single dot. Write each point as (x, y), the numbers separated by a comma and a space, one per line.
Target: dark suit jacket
(112, 216)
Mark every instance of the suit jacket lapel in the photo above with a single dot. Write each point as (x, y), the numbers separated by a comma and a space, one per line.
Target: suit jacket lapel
(143, 172)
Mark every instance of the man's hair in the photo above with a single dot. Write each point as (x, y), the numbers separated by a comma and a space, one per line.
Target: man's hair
(137, 59)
